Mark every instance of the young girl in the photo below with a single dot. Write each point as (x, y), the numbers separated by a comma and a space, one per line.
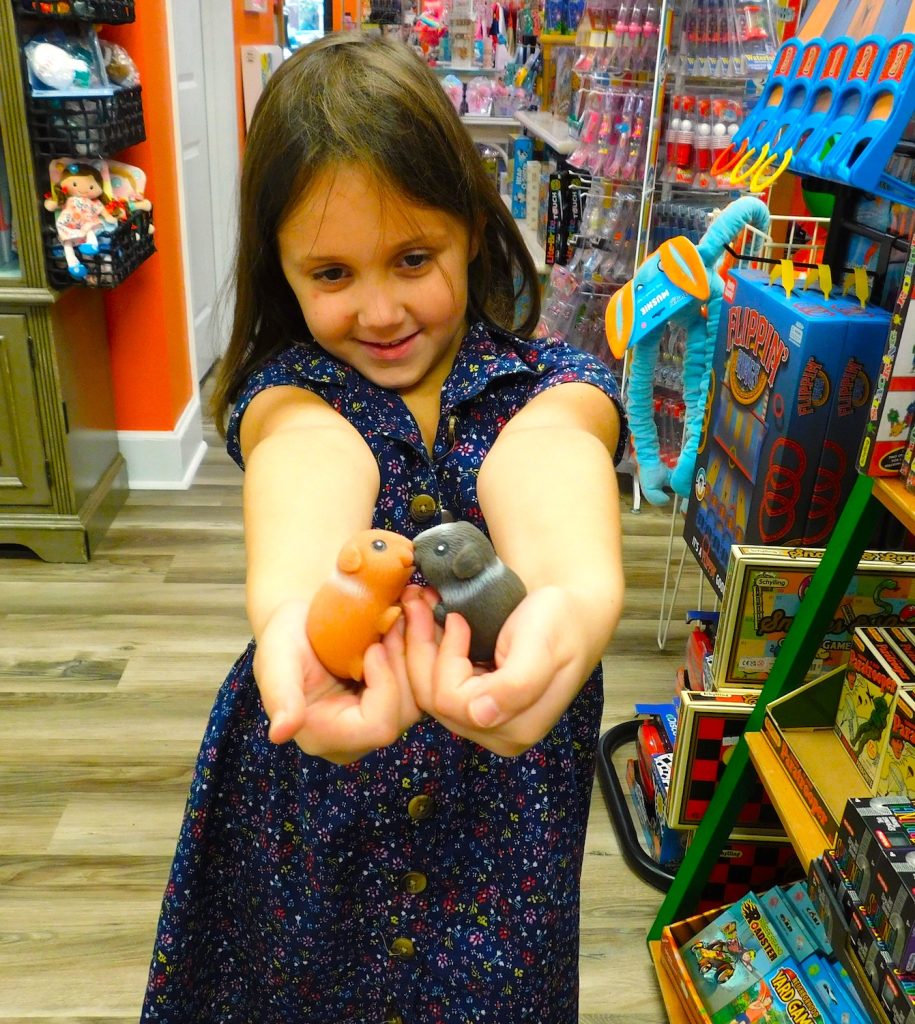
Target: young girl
(409, 850)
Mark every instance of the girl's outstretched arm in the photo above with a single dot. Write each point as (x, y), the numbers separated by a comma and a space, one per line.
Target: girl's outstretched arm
(548, 492)
(310, 483)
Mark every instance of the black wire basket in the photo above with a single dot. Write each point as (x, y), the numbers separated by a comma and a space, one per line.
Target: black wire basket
(86, 126)
(109, 12)
(119, 254)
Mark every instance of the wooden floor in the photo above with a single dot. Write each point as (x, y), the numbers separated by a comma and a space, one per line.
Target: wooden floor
(107, 674)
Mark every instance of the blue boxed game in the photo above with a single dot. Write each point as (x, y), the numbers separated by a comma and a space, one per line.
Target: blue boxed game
(784, 993)
(776, 372)
(732, 952)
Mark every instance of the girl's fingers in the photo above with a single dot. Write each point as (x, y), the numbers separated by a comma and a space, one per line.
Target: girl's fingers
(281, 693)
(421, 650)
(379, 707)
(395, 649)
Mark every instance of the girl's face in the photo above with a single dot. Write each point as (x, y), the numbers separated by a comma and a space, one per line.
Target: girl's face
(381, 281)
(80, 185)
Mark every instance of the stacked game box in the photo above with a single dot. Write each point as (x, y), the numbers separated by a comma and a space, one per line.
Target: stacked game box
(878, 672)
(767, 958)
(791, 385)
(764, 589)
(869, 878)
(892, 413)
(875, 852)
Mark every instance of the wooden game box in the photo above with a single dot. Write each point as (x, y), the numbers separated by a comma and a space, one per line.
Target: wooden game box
(765, 586)
(709, 726)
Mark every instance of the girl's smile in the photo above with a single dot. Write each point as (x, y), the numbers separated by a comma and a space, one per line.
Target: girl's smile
(381, 280)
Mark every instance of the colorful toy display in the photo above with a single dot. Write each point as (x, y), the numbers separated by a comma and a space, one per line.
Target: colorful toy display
(89, 199)
(678, 283)
(837, 102)
(892, 411)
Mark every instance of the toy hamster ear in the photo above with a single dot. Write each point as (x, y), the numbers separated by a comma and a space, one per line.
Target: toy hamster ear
(468, 562)
(350, 557)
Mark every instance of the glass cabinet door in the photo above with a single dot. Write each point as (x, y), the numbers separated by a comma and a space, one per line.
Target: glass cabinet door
(9, 257)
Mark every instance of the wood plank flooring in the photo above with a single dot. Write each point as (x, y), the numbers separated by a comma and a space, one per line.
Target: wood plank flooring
(107, 674)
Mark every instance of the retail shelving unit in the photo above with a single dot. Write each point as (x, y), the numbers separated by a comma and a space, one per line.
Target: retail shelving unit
(869, 498)
(62, 478)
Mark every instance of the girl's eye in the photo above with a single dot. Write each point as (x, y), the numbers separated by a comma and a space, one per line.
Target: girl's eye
(331, 275)
(415, 260)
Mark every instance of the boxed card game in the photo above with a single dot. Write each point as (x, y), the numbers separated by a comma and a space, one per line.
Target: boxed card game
(775, 372)
(764, 589)
(897, 768)
(876, 671)
(784, 993)
(728, 956)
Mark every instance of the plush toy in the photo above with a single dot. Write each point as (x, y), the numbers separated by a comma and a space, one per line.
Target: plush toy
(678, 283)
(356, 606)
(461, 563)
(430, 25)
(80, 198)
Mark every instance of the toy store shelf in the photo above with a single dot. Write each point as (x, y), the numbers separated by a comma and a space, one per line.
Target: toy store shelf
(806, 836)
(676, 1013)
(554, 131)
(484, 121)
(891, 492)
(452, 69)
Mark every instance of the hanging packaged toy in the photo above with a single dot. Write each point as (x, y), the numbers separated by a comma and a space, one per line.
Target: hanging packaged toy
(65, 60)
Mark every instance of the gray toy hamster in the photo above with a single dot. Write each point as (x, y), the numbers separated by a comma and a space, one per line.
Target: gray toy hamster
(460, 562)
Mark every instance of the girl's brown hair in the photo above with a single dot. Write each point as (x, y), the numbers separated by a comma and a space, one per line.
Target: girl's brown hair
(368, 102)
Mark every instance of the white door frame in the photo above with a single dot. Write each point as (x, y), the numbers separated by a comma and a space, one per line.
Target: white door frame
(219, 61)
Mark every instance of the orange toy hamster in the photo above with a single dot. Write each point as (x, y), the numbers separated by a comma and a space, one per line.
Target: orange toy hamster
(358, 604)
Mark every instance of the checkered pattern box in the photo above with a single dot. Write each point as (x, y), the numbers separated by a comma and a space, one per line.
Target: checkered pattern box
(708, 729)
(762, 596)
(775, 372)
(877, 671)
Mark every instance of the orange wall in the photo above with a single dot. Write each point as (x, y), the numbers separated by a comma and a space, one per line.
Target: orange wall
(250, 30)
(146, 314)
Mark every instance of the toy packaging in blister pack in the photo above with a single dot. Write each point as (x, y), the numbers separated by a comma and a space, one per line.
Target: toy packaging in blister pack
(766, 449)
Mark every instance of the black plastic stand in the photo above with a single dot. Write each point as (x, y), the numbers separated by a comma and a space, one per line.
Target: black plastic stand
(614, 794)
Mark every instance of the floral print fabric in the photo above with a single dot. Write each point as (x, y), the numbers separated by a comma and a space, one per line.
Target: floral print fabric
(432, 882)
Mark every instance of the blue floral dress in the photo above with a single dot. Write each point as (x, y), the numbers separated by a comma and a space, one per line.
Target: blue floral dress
(432, 882)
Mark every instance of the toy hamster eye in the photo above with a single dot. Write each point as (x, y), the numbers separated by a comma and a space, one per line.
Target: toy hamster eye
(441, 548)
(379, 545)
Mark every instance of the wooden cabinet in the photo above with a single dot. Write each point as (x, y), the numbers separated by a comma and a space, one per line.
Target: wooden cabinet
(62, 477)
(24, 471)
